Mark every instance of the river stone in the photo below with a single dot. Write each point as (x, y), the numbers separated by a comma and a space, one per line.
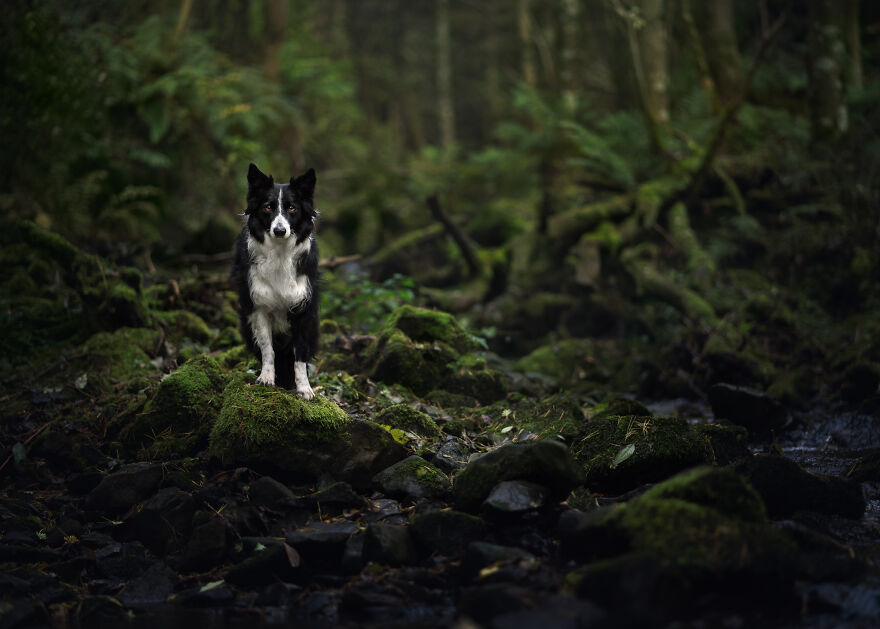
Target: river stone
(446, 532)
(480, 554)
(413, 478)
(761, 415)
(268, 492)
(545, 462)
(150, 588)
(452, 456)
(119, 491)
(389, 544)
(516, 496)
(787, 489)
(165, 517)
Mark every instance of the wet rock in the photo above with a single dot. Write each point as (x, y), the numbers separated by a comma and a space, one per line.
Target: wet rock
(760, 414)
(724, 443)
(208, 543)
(446, 532)
(407, 418)
(515, 496)
(544, 461)
(479, 555)
(265, 564)
(620, 453)
(119, 491)
(268, 492)
(334, 498)
(321, 544)
(787, 489)
(271, 429)
(163, 520)
(150, 588)
(413, 478)
(699, 529)
(451, 456)
(389, 544)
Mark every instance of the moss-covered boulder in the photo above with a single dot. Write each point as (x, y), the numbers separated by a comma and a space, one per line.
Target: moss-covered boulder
(409, 419)
(275, 431)
(422, 350)
(545, 462)
(428, 326)
(179, 416)
(413, 478)
(622, 452)
(108, 359)
(58, 292)
(567, 361)
(705, 529)
(183, 325)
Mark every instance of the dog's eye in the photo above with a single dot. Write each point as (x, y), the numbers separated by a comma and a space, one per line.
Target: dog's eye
(291, 209)
(268, 208)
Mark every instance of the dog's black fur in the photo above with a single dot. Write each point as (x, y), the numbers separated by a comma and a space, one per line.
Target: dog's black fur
(275, 255)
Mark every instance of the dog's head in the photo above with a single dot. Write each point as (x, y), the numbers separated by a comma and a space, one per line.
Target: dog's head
(280, 211)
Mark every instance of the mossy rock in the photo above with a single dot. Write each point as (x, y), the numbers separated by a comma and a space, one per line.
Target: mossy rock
(567, 361)
(427, 326)
(417, 366)
(445, 399)
(183, 324)
(619, 406)
(114, 357)
(276, 432)
(405, 417)
(182, 410)
(622, 452)
(545, 462)
(704, 528)
(484, 385)
(228, 337)
(723, 443)
(413, 478)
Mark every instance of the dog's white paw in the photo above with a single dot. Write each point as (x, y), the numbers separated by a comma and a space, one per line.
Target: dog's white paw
(305, 392)
(267, 377)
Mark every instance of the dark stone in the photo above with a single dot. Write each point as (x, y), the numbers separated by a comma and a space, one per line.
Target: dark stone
(122, 562)
(268, 492)
(482, 554)
(163, 521)
(371, 449)
(321, 544)
(353, 555)
(761, 415)
(388, 544)
(724, 443)
(262, 567)
(515, 496)
(484, 602)
(787, 489)
(560, 612)
(150, 588)
(207, 545)
(452, 456)
(95, 610)
(335, 497)
(587, 536)
(446, 532)
(867, 468)
(205, 596)
(277, 595)
(413, 478)
(545, 462)
(81, 484)
(119, 491)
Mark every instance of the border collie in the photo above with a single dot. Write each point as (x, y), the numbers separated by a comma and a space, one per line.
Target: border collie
(276, 275)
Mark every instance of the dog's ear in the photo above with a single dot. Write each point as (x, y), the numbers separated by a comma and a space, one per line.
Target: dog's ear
(257, 179)
(304, 184)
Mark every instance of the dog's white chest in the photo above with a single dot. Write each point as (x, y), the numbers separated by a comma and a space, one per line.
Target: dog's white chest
(275, 286)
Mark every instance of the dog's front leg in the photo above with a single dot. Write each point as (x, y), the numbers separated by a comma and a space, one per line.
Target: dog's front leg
(262, 330)
(301, 376)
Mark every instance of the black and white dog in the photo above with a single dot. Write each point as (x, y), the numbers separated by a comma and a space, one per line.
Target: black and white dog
(276, 275)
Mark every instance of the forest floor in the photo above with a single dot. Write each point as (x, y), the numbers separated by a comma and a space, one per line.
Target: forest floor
(433, 482)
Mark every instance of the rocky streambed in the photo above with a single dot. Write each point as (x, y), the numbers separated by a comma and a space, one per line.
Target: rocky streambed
(147, 481)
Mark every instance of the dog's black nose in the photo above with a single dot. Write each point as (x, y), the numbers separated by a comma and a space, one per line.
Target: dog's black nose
(279, 231)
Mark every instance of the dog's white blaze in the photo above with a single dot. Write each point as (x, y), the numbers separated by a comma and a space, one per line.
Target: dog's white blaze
(280, 221)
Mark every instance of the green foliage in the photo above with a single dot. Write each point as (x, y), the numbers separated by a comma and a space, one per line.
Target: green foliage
(361, 304)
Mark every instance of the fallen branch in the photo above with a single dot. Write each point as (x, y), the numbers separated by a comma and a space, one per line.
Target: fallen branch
(456, 234)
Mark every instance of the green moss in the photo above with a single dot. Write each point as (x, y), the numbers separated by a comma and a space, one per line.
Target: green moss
(568, 360)
(110, 357)
(617, 407)
(183, 324)
(405, 417)
(415, 365)
(274, 427)
(414, 477)
(486, 385)
(662, 447)
(427, 326)
(446, 399)
(227, 338)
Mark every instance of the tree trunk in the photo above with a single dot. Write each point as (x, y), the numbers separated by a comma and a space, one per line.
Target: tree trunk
(826, 70)
(444, 76)
(654, 60)
(722, 51)
(855, 75)
(526, 42)
(569, 65)
(699, 53)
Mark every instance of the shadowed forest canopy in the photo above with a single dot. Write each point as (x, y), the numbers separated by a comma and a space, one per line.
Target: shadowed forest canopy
(570, 250)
